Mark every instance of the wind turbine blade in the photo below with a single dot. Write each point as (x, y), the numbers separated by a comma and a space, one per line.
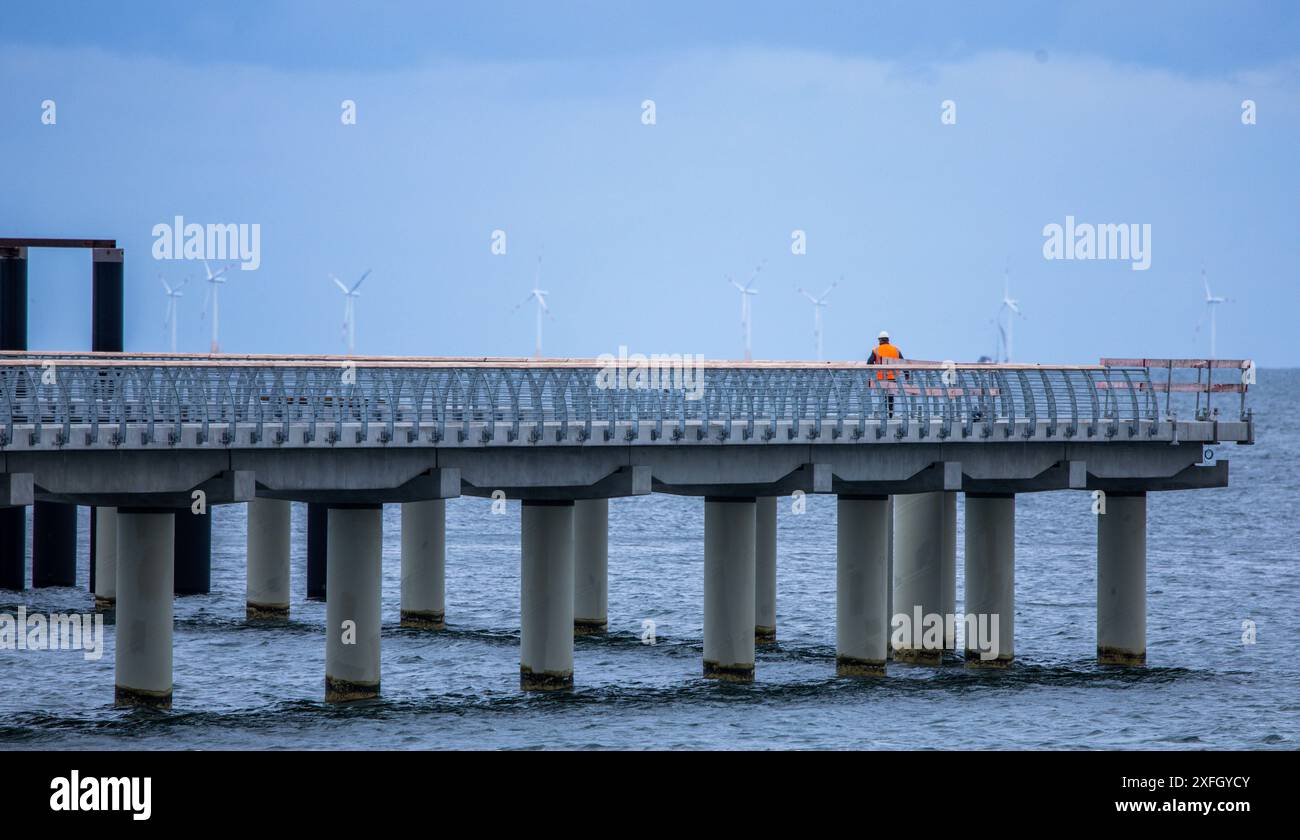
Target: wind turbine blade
(339, 283)
(804, 292)
(362, 280)
(165, 286)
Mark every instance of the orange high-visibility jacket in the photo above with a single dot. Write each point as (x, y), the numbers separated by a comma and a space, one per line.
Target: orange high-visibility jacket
(880, 354)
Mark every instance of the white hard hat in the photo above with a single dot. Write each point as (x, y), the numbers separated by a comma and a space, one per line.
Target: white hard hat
(884, 334)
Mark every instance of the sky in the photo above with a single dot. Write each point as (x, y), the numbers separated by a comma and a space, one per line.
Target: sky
(769, 119)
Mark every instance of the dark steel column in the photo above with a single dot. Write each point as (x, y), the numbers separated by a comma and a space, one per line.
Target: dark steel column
(193, 553)
(317, 533)
(13, 336)
(106, 330)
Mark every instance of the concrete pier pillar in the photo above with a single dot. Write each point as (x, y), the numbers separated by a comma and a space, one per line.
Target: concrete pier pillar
(193, 552)
(729, 532)
(267, 587)
(352, 609)
(591, 566)
(13, 336)
(949, 568)
(424, 554)
(145, 541)
(546, 596)
(765, 570)
(1122, 580)
(889, 577)
(991, 575)
(317, 533)
(918, 577)
(105, 558)
(861, 585)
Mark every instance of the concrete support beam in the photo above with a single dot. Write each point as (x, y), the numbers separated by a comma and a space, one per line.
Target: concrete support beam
(267, 586)
(918, 572)
(991, 574)
(145, 542)
(352, 609)
(546, 596)
(861, 585)
(424, 557)
(765, 570)
(729, 531)
(1122, 580)
(591, 566)
(105, 538)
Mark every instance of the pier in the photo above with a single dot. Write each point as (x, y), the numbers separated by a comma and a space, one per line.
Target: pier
(149, 440)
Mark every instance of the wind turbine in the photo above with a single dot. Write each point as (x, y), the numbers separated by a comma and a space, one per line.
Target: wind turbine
(538, 295)
(1211, 303)
(746, 323)
(215, 281)
(349, 310)
(169, 321)
(819, 303)
(1011, 307)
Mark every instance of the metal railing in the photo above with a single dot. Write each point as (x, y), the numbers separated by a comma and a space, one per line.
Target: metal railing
(128, 400)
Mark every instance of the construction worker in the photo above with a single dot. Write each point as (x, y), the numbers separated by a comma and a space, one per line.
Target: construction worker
(884, 354)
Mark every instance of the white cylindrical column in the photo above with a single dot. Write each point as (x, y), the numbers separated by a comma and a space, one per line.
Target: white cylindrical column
(354, 546)
(949, 581)
(546, 596)
(916, 626)
(990, 579)
(765, 570)
(591, 566)
(861, 585)
(1122, 580)
(105, 557)
(267, 587)
(145, 546)
(424, 556)
(889, 577)
(729, 530)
